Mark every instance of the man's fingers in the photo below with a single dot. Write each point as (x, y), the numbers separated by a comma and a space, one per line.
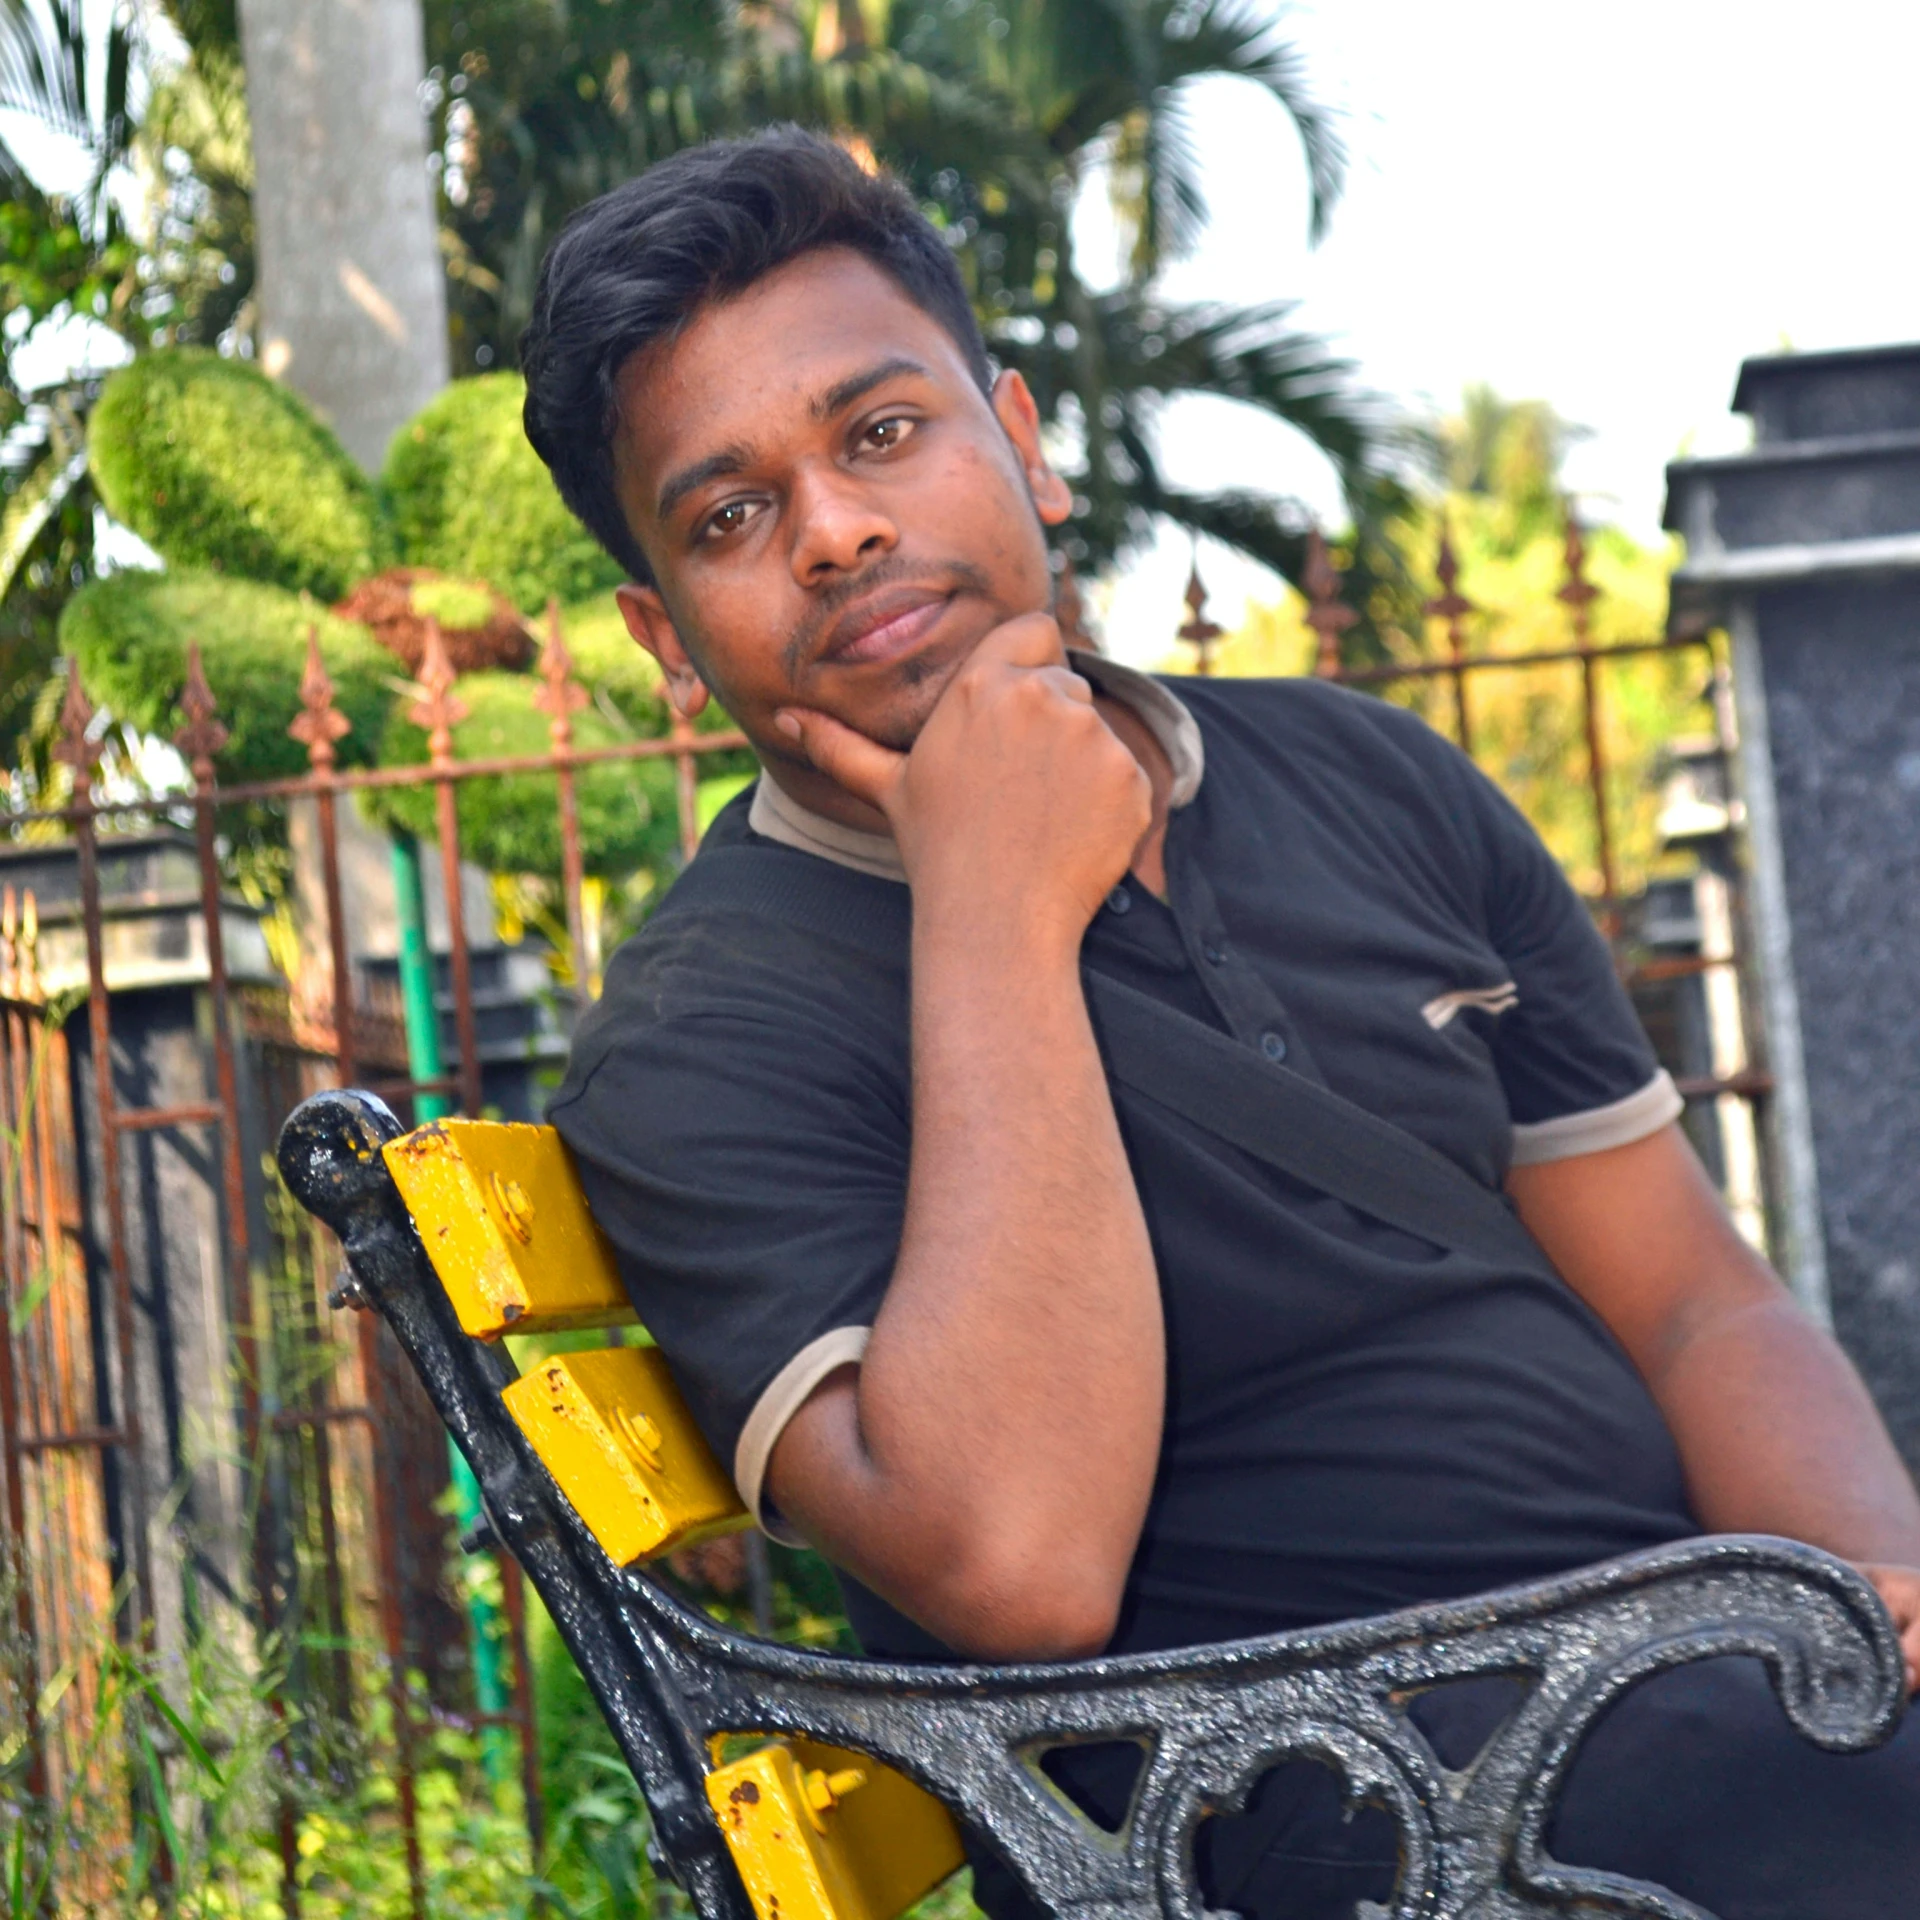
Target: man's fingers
(867, 770)
(1033, 640)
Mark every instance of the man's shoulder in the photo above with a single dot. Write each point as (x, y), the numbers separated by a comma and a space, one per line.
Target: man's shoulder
(753, 936)
(1298, 711)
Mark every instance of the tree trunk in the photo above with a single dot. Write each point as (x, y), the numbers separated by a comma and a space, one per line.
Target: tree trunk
(353, 305)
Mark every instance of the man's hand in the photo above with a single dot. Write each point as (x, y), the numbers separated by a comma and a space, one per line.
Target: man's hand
(1018, 806)
(1899, 1587)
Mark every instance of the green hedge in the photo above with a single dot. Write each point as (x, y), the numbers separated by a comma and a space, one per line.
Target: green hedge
(129, 633)
(468, 495)
(511, 823)
(218, 467)
(612, 665)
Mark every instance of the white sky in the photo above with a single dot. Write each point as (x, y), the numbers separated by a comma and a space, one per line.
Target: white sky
(1603, 207)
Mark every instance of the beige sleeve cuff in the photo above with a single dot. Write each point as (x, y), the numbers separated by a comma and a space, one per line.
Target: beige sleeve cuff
(1619, 1124)
(785, 1394)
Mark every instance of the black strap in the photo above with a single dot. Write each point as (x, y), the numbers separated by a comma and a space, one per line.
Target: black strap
(1281, 1117)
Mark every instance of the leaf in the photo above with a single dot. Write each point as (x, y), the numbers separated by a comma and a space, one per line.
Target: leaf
(144, 1683)
(42, 494)
(162, 1811)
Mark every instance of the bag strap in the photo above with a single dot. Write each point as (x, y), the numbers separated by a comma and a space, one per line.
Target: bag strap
(1291, 1123)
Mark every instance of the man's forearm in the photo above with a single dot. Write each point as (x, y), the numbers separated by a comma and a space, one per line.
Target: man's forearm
(1007, 1414)
(1779, 1436)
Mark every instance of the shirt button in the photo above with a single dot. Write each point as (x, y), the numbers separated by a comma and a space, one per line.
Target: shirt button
(1216, 955)
(1119, 901)
(1273, 1046)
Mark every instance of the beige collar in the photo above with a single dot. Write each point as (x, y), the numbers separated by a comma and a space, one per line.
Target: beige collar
(775, 814)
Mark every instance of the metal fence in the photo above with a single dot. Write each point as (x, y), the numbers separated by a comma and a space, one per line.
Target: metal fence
(332, 1453)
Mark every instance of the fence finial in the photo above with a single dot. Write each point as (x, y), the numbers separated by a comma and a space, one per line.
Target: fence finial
(319, 723)
(75, 748)
(203, 736)
(1199, 632)
(437, 710)
(561, 696)
(1453, 606)
(1327, 614)
(1448, 604)
(1579, 592)
(27, 951)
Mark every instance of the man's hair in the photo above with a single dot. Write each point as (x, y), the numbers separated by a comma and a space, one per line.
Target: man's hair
(634, 266)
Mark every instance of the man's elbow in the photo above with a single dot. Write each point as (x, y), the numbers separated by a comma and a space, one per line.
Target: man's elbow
(1028, 1613)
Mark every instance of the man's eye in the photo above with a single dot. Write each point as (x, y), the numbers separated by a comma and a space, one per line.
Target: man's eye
(884, 435)
(728, 519)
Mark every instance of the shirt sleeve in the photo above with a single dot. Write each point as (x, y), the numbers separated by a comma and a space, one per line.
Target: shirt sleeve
(1579, 1073)
(752, 1180)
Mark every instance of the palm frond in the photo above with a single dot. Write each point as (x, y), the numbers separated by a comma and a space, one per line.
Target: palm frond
(41, 494)
(45, 59)
(43, 67)
(1234, 37)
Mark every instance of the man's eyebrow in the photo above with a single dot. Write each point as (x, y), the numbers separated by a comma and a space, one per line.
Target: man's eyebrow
(844, 393)
(715, 466)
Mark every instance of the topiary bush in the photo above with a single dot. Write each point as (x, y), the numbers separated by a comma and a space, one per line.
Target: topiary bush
(218, 467)
(613, 666)
(129, 633)
(468, 495)
(511, 823)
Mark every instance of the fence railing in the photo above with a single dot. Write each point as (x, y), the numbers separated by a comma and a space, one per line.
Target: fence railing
(330, 1430)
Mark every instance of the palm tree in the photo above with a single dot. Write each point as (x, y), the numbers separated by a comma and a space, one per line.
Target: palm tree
(61, 253)
(998, 113)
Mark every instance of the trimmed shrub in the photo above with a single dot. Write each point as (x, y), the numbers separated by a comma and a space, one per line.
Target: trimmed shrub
(130, 632)
(511, 824)
(612, 665)
(468, 495)
(218, 467)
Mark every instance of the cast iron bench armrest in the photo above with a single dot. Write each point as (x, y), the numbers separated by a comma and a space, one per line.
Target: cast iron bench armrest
(1210, 1719)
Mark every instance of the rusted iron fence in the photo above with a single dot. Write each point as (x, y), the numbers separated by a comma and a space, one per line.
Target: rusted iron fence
(335, 1471)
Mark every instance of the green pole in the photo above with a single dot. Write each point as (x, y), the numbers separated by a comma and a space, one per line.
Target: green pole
(425, 1061)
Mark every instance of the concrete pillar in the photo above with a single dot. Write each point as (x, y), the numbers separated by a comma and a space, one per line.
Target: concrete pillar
(1807, 549)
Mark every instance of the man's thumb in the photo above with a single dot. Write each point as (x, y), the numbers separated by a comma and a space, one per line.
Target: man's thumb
(866, 769)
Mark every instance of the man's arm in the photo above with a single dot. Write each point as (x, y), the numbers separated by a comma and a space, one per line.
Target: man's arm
(987, 1467)
(1775, 1430)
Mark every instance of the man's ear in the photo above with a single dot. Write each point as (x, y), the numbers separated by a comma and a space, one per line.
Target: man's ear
(1013, 407)
(652, 625)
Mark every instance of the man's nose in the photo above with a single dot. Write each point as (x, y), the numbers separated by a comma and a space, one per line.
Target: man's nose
(838, 526)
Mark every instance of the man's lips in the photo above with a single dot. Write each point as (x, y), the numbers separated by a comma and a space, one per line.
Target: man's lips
(886, 627)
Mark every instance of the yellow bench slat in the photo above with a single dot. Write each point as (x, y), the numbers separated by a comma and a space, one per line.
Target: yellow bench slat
(618, 1439)
(499, 1210)
(819, 1833)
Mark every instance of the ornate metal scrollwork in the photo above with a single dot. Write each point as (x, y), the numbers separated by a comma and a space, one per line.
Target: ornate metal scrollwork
(1212, 1719)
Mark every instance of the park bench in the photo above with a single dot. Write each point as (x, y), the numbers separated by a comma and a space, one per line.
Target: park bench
(858, 1776)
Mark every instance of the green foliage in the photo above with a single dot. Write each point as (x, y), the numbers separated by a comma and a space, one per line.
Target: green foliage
(454, 603)
(510, 823)
(130, 633)
(995, 112)
(468, 495)
(1500, 503)
(219, 467)
(193, 158)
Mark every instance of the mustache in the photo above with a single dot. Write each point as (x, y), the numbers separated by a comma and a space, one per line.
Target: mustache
(811, 630)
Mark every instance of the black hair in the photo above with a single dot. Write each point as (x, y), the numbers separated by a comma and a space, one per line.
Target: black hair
(632, 267)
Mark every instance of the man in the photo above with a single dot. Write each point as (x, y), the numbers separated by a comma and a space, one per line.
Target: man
(1044, 1368)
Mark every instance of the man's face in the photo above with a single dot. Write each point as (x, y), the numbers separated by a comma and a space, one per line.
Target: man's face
(835, 514)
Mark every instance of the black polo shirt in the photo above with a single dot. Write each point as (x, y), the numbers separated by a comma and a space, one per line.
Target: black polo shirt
(1356, 1420)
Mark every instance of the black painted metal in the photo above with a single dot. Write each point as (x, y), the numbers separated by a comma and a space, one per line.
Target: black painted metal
(1211, 1718)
